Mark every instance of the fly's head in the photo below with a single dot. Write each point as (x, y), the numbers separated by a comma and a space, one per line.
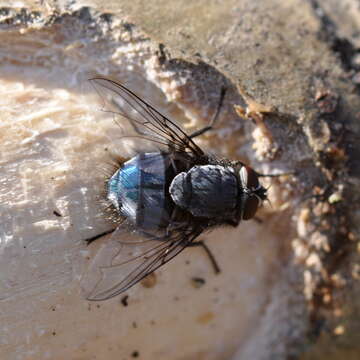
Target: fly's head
(252, 192)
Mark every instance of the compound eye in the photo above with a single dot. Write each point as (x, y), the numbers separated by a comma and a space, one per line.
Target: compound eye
(249, 178)
(250, 207)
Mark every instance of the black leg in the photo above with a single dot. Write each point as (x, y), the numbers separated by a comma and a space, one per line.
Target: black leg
(212, 122)
(90, 240)
(276, 175)
(257, 219)
(209, 254)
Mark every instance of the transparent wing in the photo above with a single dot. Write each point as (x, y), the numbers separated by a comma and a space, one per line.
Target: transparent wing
(126, 258)
(145, 119)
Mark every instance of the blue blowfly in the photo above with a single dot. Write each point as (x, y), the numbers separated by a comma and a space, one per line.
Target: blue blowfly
(165, 197)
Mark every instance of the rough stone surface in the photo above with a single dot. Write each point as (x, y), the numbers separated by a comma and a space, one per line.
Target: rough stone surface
(290, 285)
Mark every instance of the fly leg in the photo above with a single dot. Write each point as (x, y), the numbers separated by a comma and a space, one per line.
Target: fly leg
(213, 120)
(208, 253)
(237, 163)
(173, 224)
(93, 238)
(276, 175)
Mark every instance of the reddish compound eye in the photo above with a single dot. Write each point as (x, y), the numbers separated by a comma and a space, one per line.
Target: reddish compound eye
(250, 187)
(249, 178)
(250, 207)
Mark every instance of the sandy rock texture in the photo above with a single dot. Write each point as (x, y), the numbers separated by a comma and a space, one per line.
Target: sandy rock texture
(289, 285)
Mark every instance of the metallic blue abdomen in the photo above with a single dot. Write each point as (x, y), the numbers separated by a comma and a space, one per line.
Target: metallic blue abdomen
(137, 190)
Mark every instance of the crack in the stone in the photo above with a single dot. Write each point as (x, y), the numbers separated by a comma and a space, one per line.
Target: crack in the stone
(325, 297)
(329, 34)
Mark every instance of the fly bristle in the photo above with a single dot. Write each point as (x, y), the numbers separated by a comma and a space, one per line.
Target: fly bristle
(117, 160)
(105, 171)
(110, 213)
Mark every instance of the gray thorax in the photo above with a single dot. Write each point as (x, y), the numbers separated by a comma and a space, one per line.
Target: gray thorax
(209, 191)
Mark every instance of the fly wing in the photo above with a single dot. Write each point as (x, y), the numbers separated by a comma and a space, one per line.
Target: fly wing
(145, 119)
(126, 258)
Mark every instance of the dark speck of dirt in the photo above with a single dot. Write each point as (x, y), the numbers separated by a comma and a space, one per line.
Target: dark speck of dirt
(124, 300)
(197, 282)
(135, 354)
(56, 213)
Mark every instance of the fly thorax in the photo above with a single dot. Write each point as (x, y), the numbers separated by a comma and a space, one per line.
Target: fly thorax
(208, 191)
